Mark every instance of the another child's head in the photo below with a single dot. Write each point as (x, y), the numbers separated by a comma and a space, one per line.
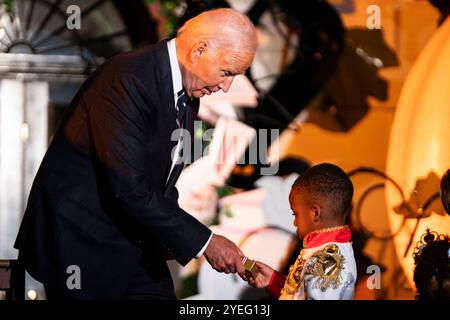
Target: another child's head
(432, 271)
(321, 197)
(445, 191)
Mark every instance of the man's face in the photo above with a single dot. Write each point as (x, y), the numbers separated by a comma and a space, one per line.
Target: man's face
(213, 70)
(303, 214)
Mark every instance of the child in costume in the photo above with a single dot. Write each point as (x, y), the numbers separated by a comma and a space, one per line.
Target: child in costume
(432, 266)
(320, 199)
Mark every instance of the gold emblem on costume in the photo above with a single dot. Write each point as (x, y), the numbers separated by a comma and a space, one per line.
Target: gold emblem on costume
(294, 280)
(326, 266)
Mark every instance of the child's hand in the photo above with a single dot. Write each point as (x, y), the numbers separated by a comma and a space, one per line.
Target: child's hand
(262, 278)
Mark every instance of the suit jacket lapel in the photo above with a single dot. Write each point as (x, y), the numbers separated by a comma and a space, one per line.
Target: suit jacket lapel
(166, 96)
(188, 124)
(191, 115)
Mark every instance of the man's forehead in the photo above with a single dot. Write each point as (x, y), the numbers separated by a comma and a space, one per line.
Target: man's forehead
(236, 63)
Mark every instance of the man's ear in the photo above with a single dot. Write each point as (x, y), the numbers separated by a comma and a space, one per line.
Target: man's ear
(198, 50)
(316, 213)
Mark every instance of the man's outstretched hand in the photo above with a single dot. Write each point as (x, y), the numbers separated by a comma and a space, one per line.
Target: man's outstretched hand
(224, 256)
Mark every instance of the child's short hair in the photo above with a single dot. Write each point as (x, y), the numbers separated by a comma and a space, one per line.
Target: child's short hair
(327, 182)
(432, 271)
(445, 191)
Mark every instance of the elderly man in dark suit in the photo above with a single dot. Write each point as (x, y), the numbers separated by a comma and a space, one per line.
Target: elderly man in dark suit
(103, 202)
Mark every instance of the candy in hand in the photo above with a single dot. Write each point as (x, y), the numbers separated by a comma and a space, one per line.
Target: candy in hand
(250, 267)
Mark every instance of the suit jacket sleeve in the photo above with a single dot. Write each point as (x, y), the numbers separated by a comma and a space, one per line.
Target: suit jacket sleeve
(120, 136)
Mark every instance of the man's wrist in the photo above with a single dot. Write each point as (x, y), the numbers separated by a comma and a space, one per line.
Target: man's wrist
(203, 249)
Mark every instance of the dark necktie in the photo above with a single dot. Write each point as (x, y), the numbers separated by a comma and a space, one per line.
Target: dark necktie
(181, 106)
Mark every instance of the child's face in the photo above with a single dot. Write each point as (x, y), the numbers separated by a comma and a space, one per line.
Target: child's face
(303, 214)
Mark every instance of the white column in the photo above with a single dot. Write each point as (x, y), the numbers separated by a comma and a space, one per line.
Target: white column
(11, 160)
(23, 141)
(37, 122)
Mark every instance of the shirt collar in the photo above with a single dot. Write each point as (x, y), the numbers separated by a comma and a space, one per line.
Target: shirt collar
(177, 82)
(316, 238)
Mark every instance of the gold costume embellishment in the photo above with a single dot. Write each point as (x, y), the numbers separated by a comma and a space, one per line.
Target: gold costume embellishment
(294, 280)
(326, 266)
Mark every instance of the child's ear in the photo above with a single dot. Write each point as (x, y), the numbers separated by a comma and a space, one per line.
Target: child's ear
(315, 210)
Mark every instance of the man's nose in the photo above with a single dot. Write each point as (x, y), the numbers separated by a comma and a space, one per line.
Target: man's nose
(226, 84)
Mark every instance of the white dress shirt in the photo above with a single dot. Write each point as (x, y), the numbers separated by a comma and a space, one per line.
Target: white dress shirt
(177, 85)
